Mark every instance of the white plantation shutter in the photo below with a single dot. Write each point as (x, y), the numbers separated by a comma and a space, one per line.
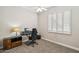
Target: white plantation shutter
(54, 25)
(67, 22)
(60, 22)
(49, 23)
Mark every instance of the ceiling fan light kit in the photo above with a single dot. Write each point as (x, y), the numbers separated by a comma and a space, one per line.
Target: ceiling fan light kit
(39, 10)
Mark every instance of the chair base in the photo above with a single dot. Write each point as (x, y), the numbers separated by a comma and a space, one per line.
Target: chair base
(30, 42)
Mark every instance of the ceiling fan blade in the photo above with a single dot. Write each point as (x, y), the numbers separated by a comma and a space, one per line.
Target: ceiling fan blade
(41, 9)
(44, 9)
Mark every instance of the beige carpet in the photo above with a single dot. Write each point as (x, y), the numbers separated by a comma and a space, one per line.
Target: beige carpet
(42, 47)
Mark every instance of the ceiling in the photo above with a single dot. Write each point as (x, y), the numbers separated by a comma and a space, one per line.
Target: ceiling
(34, 8)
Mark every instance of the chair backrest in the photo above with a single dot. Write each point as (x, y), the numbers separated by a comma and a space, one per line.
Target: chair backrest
(34, 34)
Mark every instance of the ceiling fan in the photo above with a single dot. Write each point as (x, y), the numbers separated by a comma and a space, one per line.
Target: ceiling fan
(41, 9)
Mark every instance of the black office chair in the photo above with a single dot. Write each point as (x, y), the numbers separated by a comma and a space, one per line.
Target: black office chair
(32, 41)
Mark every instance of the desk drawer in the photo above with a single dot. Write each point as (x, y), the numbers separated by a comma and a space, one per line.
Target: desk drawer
(17, 43)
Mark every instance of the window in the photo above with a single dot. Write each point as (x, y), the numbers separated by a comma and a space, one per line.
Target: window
(60, 22)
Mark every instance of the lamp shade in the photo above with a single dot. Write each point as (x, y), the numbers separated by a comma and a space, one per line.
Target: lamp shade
(15, 29)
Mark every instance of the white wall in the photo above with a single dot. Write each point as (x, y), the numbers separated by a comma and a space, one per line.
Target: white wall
(71, 40)
(10, 16)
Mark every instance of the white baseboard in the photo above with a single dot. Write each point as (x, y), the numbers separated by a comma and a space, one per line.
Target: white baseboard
(75, 48)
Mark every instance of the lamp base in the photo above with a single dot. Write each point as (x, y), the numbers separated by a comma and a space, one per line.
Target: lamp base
(16, 33)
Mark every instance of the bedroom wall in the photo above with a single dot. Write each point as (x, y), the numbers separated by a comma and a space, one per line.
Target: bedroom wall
(16, 16)
(68, 40)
